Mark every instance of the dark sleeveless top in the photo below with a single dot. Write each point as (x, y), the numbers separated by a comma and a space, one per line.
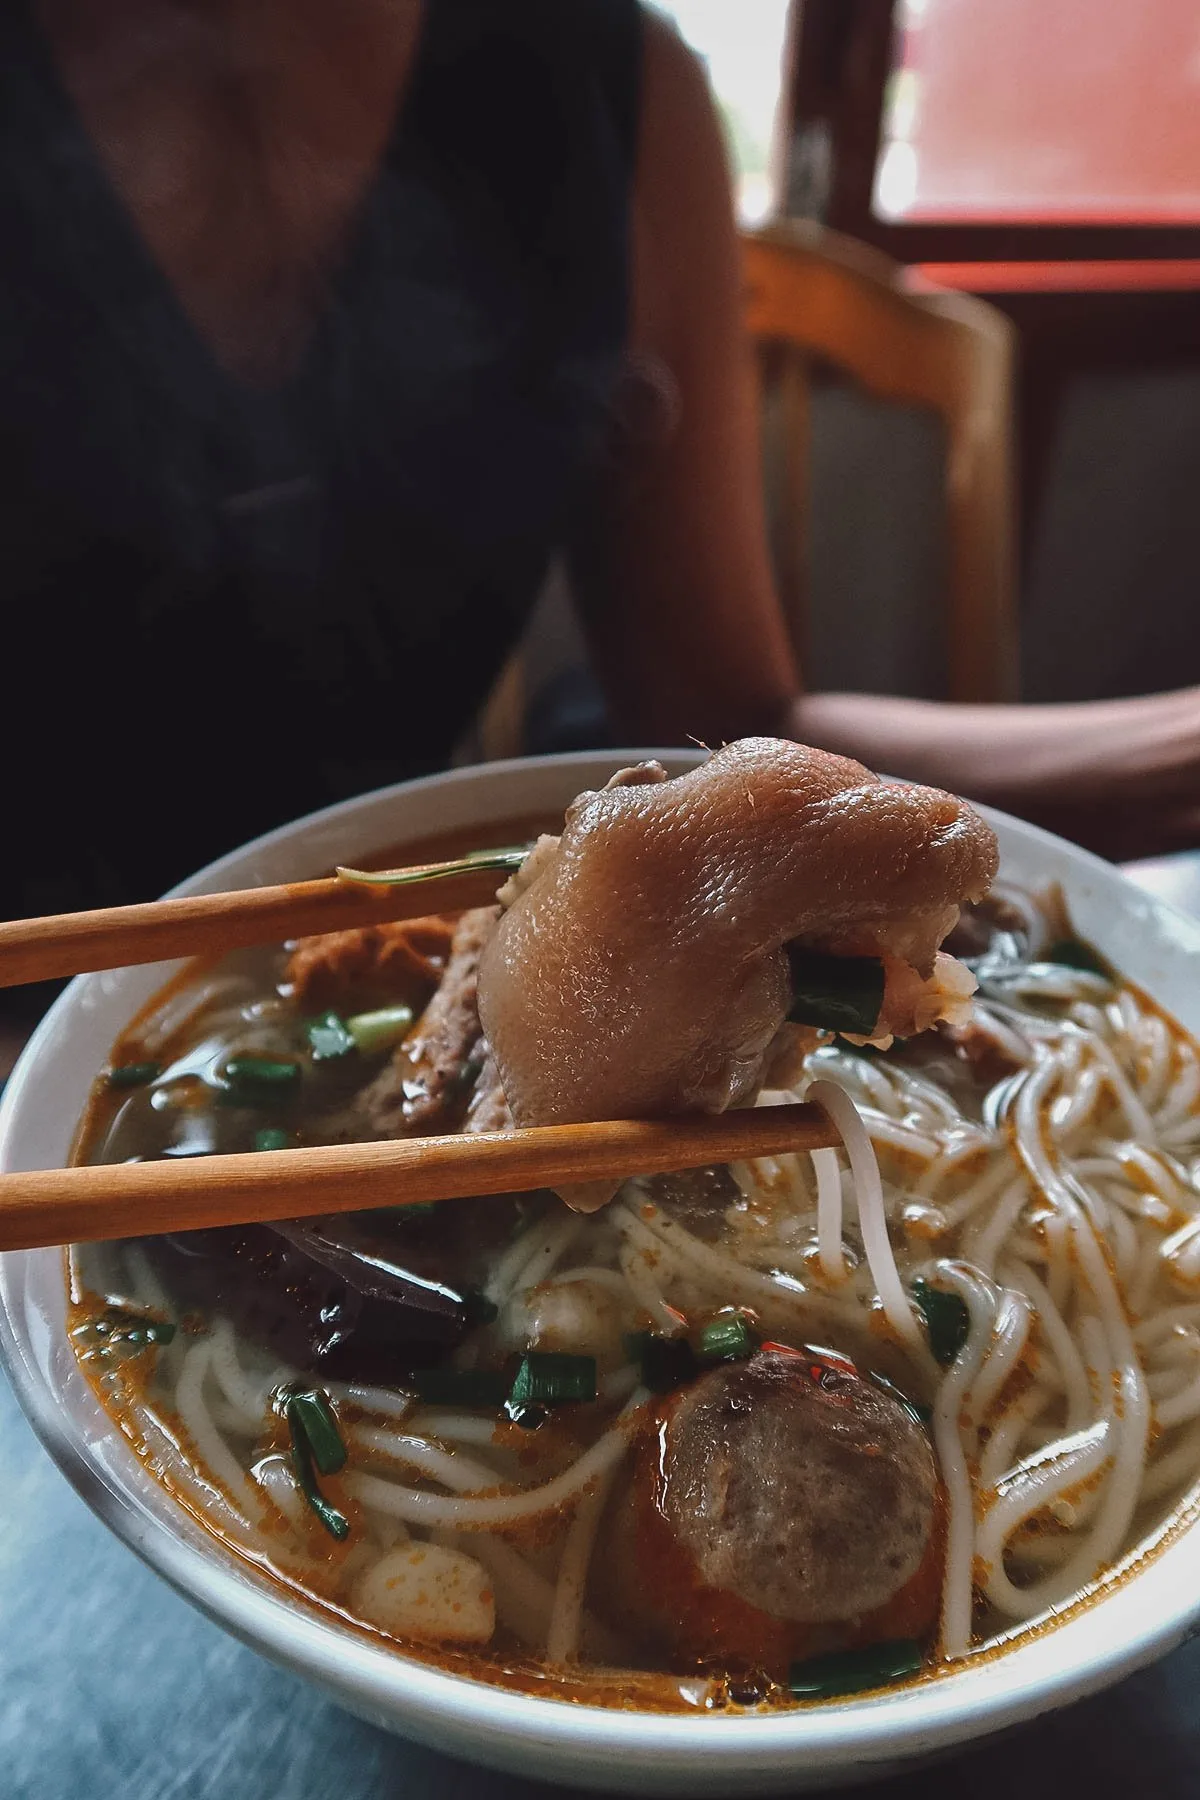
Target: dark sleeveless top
(223, 607)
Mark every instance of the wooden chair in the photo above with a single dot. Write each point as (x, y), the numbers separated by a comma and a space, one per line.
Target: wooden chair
(815, 298)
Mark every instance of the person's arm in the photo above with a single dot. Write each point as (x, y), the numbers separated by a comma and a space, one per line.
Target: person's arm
(674, 581)
(677, 593)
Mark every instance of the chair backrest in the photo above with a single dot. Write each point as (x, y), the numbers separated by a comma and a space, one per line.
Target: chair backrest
(814, 297)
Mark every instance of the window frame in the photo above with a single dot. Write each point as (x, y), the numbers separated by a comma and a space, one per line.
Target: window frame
(841, 61)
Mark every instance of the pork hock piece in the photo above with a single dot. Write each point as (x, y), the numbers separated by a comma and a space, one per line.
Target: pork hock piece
(647, 960)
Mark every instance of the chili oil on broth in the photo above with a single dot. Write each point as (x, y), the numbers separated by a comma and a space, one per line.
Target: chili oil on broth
(972, 1172)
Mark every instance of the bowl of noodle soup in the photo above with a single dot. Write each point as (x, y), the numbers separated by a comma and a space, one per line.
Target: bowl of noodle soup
(1052, 1207)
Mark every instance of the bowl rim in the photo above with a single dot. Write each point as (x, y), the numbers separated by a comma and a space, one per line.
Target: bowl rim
(468, 1715)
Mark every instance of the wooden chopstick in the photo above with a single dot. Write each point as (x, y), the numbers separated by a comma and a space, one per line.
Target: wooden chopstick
(115, 937)
(114, 1200)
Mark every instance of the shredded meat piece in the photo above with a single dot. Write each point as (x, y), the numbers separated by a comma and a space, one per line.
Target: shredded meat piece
(401, 961)
(975, 1044)
(489, 1109)
(979, 925)
(429, 1082)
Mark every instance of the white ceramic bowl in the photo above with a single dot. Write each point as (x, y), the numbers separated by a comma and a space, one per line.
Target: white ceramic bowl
(1143, 1615)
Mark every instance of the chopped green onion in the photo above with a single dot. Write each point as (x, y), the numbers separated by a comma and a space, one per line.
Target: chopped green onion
(336, 1523)
(253, 1079)
(552, 1377)
(665, 1363)
(946, 1319)
(1073, 953)
(507, 860)
(375, 1031)
(835, 993)
(328, 1038)
(309, 1413)
(726, 1339)
(463, 1387)
(315, 1439)
(137, 1074)
(272, 1137)
(852, 1671)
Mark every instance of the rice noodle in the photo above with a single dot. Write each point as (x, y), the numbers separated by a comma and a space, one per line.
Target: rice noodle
(534, 1253)
(960, 1524)
(995, 1458)
(489, 1511)
(196, 1420)
(458, 1428)
(985, 1242)
(868, 1193)
(562, 1633)
(685, 1257)
(830, 1248)
(1014, 1316)
(637, 1266)
(461, 1473)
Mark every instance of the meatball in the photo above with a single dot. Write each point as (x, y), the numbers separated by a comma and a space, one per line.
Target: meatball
(783, 1506)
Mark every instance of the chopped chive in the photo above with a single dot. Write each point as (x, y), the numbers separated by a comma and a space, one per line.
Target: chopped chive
(1073, 953)
(272, 1137)
(508, 860)
(835, 993)
(463, 1387)
(328, 1038)
(308, 1411)
(726, 1339)
(946, 1319)
(372, 1032)
(135, 1074)
(552, 1378)
(336, 1523)
(252, 1079)
(664, 1362)
(852, 1671)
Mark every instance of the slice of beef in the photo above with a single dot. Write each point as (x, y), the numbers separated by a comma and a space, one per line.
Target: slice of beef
(488, 1109)
(428, 1084)
(991, 927)
(400, 962)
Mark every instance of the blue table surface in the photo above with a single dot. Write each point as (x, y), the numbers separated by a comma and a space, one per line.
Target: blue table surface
(113, 1688)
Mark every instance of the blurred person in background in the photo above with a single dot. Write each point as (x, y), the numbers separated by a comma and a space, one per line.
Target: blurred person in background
(324, 328)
